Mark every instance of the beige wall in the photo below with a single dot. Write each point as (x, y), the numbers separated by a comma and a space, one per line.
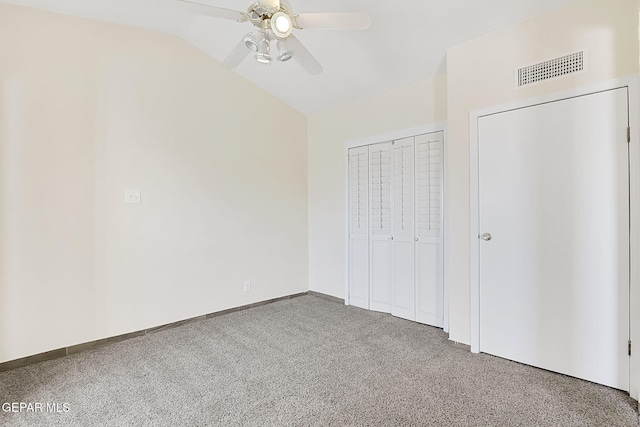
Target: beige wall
(88, 110)
(480, 75)
(609, 32)
(416, 105)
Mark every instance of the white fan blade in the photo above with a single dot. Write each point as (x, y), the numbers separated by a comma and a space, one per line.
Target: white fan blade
(237, 55)
(205, 9)
(332, 21)
(304, 57)
(275, 4)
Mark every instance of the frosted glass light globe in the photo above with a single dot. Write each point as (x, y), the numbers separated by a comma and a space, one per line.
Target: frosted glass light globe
(281, 24)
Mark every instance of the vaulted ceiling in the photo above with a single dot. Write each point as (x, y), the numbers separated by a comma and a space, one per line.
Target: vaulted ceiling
(406, 43)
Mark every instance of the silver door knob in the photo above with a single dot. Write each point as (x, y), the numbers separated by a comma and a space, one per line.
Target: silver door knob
(486, 237)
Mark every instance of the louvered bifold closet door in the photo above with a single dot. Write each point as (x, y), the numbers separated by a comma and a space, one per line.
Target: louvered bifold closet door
(403, 302)
(380, 237)
(428, 247)
(359, 227)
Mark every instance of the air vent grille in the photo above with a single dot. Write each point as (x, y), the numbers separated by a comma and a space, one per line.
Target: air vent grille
(558, 67)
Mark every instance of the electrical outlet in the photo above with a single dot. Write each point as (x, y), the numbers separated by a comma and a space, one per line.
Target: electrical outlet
(132, 196)
(247, 286)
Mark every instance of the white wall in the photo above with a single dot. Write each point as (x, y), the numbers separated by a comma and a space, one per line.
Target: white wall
(88, 110)
(420, 104)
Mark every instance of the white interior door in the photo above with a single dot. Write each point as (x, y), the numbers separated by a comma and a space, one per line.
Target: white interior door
(380, 226)
(554, 195)
(359, 227)
(403, 286)
(428, 232)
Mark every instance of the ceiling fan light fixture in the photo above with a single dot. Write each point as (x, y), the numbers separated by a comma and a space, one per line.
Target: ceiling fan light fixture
(281, 24)
(263, 58)
(252, 40)
(263, 55)
(274, 20)
(284, 52)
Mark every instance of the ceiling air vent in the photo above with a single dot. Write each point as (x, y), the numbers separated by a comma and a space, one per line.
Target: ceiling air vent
(554, 68)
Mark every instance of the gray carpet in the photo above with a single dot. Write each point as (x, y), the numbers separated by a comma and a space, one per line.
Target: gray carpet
(304, 361)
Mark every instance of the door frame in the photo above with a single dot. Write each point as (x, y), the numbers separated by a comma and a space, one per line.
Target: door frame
(629, 82)
(388, 137)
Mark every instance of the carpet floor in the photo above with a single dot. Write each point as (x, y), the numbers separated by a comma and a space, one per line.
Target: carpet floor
(304, 362)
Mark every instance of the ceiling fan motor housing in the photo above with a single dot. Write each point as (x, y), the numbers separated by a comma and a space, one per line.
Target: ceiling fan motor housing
(278, 20)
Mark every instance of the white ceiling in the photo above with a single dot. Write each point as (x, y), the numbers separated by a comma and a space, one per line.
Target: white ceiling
(406, 43)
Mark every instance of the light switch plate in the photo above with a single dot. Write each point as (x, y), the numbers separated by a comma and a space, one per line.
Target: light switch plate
(132, 196)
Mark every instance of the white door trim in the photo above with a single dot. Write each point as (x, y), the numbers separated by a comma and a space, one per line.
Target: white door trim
(387, 137)
(630, 82)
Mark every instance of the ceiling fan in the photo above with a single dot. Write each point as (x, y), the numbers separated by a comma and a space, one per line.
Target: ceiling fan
(275, 22)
